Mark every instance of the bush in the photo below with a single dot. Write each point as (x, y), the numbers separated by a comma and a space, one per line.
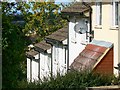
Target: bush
(73, 80)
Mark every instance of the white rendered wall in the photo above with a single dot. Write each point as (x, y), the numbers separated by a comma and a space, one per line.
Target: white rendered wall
(28, 70)
(58, 64)
(35, 69)
(62, 62)
(32, 69)
(76, 39)
(54, 61)
(45, 66)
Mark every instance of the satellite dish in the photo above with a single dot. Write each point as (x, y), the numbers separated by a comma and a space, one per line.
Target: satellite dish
(81, 27)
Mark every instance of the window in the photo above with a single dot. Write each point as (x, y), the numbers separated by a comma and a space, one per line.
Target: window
(114, 13)
(99, 13)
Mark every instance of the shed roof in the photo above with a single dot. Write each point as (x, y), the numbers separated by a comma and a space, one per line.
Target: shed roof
(59, 35)
(42, 46)
(90, 56)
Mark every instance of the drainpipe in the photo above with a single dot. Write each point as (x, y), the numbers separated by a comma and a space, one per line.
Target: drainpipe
(30, 70)
(39, 66)
(51, 61)
(119, 35)
(90, 18)
(68, 50)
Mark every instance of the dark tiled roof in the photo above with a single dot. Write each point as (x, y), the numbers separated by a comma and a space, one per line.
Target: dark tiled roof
(88, 57)
(42, 46)
(78, 7)
(31, 53)
(59, 35)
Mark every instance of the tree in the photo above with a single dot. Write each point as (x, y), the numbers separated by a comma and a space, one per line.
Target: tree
(42, 18)
(13, 54)
(46, 18)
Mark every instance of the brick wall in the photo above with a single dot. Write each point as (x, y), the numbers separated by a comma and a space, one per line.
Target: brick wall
(106, 64)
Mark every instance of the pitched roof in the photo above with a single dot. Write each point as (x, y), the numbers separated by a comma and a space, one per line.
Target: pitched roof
(77, 7)
(91, 55)
(42, 46)
(59, 35)
(31, 53)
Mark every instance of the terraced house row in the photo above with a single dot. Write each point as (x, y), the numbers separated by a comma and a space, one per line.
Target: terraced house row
(89, 42)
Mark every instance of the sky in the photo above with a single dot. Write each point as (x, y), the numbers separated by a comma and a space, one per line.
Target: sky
(64, 0)
(57, 1)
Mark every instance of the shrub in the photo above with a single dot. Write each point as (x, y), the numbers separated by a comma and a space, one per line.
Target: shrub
(74, 80)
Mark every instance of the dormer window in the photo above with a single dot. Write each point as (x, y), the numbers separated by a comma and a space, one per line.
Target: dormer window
(115, 13)
(98, 13)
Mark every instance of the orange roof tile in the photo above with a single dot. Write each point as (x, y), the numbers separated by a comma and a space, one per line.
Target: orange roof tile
(88, 57)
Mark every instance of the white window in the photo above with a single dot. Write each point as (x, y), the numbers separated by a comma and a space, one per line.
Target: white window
(98, 13)
(114, 13)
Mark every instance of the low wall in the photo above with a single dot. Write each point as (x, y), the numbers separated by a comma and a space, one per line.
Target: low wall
(104, 88)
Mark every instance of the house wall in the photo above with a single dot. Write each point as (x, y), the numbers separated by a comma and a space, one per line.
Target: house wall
(45, 65)
(28, 70)
(119, 35)
(42, 66)
(106, 32)
(35, 68)
(76, 40)
(106, 64)
(32, 69)
(58, 60)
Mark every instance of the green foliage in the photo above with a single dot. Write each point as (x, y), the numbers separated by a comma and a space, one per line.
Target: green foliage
(44, 20)
(41, 18)
(72, 80)
(13, 61)
(13, 54)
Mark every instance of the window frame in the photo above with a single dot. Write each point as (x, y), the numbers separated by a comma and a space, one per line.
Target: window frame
(114, 14)
(98, 13)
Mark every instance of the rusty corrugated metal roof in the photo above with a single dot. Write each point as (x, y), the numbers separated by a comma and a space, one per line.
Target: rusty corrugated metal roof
(89, 57)
(59, 35)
